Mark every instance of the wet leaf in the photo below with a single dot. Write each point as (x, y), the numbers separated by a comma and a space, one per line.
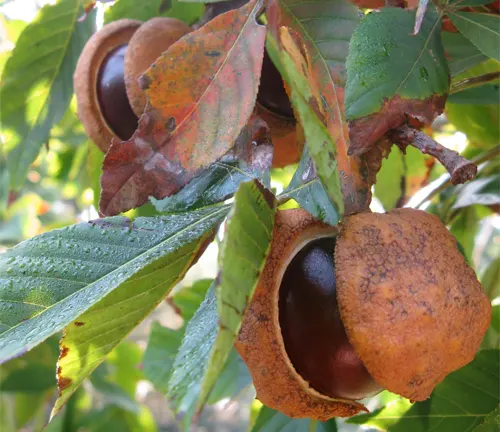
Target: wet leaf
(48, 281)
(307, 189)
(483, 30)
(201, 93)
(37, 82)
(87, 341)
(392, 74)
(208, 341)
(317, 47)
(250, 158)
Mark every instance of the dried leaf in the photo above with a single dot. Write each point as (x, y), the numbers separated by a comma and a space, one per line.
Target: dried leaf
(201, 94)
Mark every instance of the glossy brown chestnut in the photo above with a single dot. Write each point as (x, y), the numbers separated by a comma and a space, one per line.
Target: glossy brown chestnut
(100, 105)
(112, 95)
(313, 333)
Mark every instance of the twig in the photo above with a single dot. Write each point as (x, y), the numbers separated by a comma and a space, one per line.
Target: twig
(474, 82)
(460, 169)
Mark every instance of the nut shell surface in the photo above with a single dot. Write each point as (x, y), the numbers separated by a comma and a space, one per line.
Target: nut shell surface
(146, 45)
(412, 307)
(260, 343)
(87, 69)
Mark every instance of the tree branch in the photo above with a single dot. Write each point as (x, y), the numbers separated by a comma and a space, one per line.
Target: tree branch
(460, 169)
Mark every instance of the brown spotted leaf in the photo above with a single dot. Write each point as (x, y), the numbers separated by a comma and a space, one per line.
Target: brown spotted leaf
(393, 74)
(320, 32)
(201, 94)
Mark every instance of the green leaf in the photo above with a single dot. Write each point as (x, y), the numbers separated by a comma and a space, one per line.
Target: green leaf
(208, 341)
(270, 420)
(49, 280)
(391, 72)
(483, 30)
(461, 53)
(4, 179)
(390, 187)
(33, 378)
(160, 354)
(462, 401)
(483, 95)
(464, 228)
(306, 188)
(478, 122)
(86, 342)
(459, 4)
(490, 279)
(244, 162)
(482, 191)
(164, 343)
(37, 82)
(490, 423)
(143, 11)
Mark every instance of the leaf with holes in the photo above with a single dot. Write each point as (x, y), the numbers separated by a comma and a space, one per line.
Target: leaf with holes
(88, 340)
(320, 30)
(208, 340)
(37, 82)
(50, 280)
(250, 158)
(392, 74)
(201, 94)
(483, 30)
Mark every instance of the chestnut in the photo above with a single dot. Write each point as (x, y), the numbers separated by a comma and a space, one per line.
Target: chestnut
(313, 333)
(106, 77)
(380, 301)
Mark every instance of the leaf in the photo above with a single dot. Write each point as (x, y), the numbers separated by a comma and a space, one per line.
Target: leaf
(163, 342)
(483, 95)
(483, 30)
(490, 280)
(208, 340)
(462, 401)
(461, 54)
(250, 158)
(464, 228)
(392, 74)
(143, 11)
(490, 423)
(87, 341)
(482, 191)
(51, 279)
(201, 93)
(160, 354)
(270, 420)
(4, 179)
(306, 188)
(33, 378)
(390, 187)
(478, 122)
(37, 82)
(315, 50)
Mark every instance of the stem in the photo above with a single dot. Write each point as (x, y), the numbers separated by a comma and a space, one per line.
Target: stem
(460, 169)
(474, 82)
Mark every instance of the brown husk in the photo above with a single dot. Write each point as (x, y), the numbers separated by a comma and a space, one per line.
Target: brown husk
(260, 343)
(412, 307)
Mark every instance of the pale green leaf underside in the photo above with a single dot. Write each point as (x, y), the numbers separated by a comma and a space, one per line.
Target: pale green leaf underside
(385, 60)
(483, 30)
(37, 82)
(50, 280)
